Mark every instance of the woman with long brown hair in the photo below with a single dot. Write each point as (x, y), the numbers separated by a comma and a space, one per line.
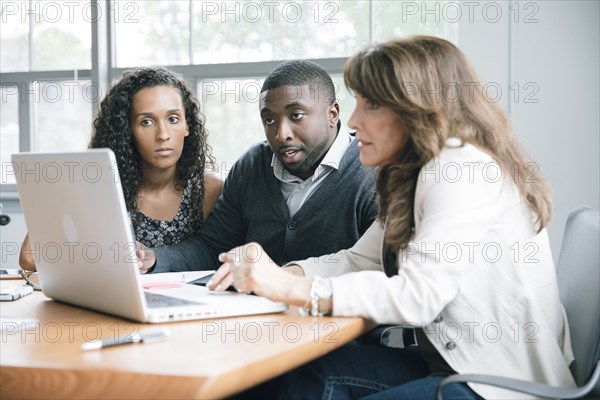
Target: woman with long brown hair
(460, 250)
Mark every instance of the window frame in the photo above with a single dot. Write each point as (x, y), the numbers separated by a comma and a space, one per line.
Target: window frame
(103, 71)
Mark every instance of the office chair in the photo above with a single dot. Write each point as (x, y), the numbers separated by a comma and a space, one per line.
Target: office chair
(578, 274)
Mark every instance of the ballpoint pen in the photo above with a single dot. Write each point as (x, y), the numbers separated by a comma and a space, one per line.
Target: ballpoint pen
(138, 337)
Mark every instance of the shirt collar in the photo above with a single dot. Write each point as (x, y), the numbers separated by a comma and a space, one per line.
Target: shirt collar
(332, 158)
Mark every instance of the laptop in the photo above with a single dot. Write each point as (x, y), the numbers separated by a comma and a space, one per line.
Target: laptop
(85, 248)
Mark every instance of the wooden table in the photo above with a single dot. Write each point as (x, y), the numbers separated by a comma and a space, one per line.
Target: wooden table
(200, 359)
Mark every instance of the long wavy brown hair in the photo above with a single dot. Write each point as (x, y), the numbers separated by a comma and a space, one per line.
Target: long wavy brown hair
(429, 83)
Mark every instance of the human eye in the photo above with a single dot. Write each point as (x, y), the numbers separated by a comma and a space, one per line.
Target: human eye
(146, 122)
(297, 116)
(173, 119)
(268, 121)
(372, 105)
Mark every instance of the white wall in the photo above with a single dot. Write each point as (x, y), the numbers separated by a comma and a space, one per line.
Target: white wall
(559, 54)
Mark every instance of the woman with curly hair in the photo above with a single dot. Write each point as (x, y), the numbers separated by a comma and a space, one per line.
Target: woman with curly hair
(459, 252)
(151, 120)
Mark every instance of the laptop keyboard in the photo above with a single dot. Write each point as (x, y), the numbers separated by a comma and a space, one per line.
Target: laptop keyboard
(155, 300)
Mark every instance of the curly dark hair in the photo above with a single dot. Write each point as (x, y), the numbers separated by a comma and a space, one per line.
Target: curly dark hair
(112, 130)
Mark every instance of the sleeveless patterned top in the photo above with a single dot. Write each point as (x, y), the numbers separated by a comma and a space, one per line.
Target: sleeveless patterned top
(155, 233)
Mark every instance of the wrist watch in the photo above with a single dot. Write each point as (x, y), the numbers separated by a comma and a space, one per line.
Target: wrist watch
(323, 294)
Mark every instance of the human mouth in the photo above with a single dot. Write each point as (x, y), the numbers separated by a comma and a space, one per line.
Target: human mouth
(289, 155)
(362, 143)
(164, 151)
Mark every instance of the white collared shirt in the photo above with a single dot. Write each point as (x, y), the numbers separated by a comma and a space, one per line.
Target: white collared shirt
(295, 190)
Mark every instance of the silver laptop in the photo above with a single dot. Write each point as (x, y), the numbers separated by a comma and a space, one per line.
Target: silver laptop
(84, 245)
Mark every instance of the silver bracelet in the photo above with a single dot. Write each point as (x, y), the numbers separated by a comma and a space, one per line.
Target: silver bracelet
(314, 298)
(320, 289)
(304, 311)
(311, 308)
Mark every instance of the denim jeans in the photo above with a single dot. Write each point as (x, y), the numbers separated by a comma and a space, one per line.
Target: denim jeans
(365, 372)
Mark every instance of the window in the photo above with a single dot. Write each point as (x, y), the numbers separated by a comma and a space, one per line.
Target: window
(45, 35)
(226, 32)
(62, 115)
(51, 64)
(401, 18)
(46, 58)
(151, 33)
(14, 41)
(232, 117)
(9, 130)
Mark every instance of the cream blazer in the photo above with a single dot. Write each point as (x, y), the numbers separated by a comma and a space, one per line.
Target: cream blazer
(476, 277)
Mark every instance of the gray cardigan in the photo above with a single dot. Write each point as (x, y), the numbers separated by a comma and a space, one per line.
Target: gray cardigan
(252, 209)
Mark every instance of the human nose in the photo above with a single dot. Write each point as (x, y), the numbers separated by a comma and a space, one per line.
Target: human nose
(284, 132)
(162, 131)
(354, 121)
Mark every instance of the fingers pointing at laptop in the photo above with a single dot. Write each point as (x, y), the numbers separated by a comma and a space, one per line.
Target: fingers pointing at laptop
(249, 269)
(232, 272)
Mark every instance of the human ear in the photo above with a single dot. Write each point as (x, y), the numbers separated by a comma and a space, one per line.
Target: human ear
(334, 114)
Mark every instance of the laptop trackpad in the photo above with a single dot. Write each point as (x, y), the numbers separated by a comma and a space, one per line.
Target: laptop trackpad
(155, 300)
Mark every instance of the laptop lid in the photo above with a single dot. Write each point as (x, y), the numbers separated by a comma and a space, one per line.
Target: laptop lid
(79, 229)
(84, 246)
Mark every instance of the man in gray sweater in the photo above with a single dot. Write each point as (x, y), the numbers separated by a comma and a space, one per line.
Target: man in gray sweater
(300, 194)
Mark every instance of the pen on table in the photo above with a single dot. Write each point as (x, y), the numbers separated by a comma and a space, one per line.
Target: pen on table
(143, 337)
